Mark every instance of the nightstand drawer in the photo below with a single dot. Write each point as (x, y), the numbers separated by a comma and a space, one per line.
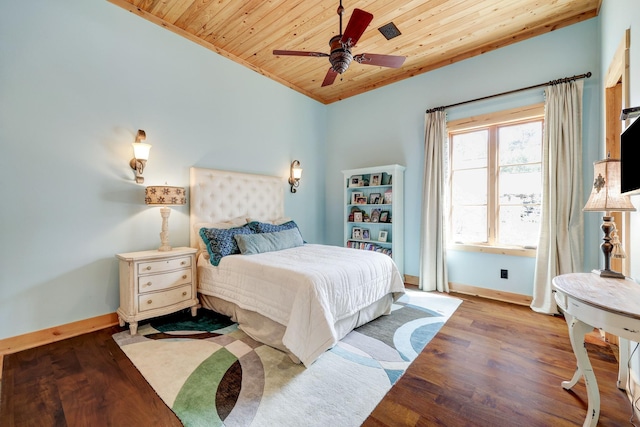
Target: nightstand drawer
(156, 282)
(163, 265)
(164, 299)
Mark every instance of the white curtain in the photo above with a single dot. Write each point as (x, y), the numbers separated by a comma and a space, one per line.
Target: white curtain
(433, 264)
(561, 244)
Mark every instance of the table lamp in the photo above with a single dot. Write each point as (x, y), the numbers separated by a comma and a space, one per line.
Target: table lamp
(605, 197)
(165, 196)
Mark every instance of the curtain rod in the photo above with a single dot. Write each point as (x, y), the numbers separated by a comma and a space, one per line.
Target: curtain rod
(552, 82)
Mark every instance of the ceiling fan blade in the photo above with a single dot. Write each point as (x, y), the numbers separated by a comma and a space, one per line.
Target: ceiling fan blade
(329, 78)
(390, 61)
(358, 22)
(299, 53)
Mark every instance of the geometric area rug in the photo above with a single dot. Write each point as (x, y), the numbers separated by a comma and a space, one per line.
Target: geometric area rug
(210, 373)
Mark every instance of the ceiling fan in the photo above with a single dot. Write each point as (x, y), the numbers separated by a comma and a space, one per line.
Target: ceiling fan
(340, 56)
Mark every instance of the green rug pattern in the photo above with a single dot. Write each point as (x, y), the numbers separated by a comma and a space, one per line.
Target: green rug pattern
(210, 373)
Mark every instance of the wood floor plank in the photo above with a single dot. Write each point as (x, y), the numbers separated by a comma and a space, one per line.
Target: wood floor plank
(496, 364)
(492, 364)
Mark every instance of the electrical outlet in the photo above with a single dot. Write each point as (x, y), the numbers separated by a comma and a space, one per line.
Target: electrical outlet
(504, 274)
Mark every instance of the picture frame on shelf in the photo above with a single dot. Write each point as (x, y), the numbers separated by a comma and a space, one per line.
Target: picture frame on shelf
(355, 195)
(376, 179)
(356, 181)
(361, 200)
(366, 235)
(375, 198)
(388, 197)
(382, 236)
(356, 233)
(384, 216)
(375, 215)
(357, 216)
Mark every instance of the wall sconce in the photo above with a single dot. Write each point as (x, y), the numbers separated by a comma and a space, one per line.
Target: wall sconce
(140, 155)
(294, 175)
(605, 197)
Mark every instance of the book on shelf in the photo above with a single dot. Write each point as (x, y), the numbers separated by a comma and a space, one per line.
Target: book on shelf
(367, 246)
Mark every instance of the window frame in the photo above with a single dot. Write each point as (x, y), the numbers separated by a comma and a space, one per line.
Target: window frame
(501, 118)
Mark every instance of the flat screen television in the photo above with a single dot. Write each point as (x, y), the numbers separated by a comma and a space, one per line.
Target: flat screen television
(630, 159)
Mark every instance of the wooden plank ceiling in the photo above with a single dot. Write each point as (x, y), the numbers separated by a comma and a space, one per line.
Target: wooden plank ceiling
(434, 33)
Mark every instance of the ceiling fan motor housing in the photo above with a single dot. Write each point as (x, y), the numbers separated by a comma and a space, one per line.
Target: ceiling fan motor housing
(340, 57)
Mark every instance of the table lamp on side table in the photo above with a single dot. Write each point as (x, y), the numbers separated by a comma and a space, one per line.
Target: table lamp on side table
(605, 197)
(165, 196)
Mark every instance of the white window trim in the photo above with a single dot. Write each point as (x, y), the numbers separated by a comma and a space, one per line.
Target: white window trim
(513, 115)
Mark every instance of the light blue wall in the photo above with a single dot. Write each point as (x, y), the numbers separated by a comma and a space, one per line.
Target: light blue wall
(387, 126)
(616, 17)
(77, 79)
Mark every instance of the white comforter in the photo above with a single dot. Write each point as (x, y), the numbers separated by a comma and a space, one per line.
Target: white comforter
(307, 289)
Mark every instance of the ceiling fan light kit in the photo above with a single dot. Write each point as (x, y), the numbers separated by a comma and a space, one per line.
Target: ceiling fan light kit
(341, 57)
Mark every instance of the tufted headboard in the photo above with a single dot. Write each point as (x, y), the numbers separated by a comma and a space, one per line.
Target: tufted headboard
(218, 196)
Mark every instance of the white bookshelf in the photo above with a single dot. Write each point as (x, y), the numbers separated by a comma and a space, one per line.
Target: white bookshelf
(392, 181)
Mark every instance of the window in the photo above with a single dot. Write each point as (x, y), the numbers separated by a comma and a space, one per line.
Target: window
(496, 179)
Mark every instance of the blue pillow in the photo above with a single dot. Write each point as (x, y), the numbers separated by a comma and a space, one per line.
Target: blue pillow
(264, 227)
(220, 242)
(268, 242)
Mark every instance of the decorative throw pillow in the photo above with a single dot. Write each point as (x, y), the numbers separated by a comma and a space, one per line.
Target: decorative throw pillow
(268, 242)
(265, 227)
(220, 242)
(235, 222)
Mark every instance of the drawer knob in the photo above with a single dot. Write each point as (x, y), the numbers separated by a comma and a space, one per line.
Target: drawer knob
(184, 294)
(184, 276)
(148, 267)
(183, 262)
(149, 301)
(147, 284)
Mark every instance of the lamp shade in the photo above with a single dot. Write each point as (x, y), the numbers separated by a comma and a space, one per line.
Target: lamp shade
(165, 196)
(296, 172)
(605, 194)
(141, 150)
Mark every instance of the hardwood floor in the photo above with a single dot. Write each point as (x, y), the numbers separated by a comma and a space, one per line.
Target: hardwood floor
(492, 364)
(498, 364)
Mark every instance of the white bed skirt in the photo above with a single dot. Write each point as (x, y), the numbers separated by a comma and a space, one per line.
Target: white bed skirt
(266, 331)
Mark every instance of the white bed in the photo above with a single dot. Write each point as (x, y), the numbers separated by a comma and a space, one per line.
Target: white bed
(301, 300)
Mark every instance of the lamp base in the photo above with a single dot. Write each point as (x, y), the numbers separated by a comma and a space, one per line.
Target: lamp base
(609, 273)
(164, 234)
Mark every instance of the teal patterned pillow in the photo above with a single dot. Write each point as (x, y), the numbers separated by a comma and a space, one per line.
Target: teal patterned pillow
(264, 227)
(268, 242)
(221, 242)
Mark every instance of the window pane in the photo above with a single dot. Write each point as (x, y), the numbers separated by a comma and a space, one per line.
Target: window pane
(470, 150)
(469, 224)
(519, 225)
(520, 185)
(469, 187)
(520, 143)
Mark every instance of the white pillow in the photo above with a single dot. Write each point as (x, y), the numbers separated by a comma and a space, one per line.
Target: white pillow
(278, 221)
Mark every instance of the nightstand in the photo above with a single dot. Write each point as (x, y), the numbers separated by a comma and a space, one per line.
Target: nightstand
(155, 283)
